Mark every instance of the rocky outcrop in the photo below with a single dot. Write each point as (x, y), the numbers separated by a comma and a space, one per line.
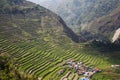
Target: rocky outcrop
(116, 35)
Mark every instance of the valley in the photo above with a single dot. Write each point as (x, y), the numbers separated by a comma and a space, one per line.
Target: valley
(36, 45)
(93, 19)
(45, 60)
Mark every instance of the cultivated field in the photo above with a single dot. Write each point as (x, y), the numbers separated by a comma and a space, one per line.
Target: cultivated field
(45, 60)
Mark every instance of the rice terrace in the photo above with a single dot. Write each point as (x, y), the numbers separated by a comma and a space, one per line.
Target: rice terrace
(36, 44)
(46, 60)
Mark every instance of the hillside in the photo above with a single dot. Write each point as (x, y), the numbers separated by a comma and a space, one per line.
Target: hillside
(9, 72)
(88, 18)
(104, 28)
(77, 13)
(39, 45)
(25, 20)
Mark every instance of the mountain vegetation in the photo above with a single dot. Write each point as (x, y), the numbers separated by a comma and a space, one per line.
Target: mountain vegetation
(82, 16)
(9, 72)
(27, 13)
(78, 12)
(35, 44)
(104, 28)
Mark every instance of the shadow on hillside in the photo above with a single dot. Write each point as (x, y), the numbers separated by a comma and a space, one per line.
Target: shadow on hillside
(111, 50)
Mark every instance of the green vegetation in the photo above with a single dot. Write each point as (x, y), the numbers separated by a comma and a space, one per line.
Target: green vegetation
(8, 70)
(78, 13)
(45, 60)
(37, 45)
(93, 19)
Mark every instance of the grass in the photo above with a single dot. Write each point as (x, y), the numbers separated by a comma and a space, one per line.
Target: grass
(45, 60)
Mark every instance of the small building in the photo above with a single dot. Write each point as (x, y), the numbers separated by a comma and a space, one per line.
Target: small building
(84, 78)
(115, 66)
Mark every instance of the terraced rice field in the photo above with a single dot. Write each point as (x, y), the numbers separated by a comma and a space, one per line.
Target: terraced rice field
(45, 60)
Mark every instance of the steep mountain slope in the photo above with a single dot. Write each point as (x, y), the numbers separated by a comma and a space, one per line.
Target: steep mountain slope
(37, 44)
(77, 13)
(104, 28)
(93, 19)
(24, 20)
(35, 20)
